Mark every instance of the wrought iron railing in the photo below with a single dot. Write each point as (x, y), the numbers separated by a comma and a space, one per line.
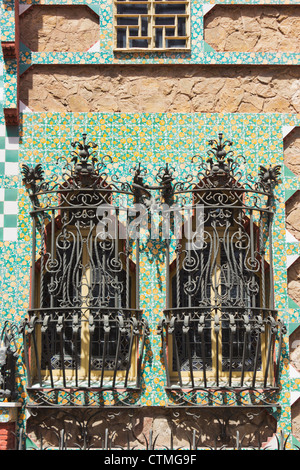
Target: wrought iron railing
(95, 349)
(212, 350)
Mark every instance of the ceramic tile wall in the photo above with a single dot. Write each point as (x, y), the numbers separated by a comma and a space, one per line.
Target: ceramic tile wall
(152, 139)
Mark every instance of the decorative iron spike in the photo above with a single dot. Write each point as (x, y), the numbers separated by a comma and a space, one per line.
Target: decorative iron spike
(219, 148)
(219, 160)
(84, 160)
(139, 188)
(165, 179)
(32, 174)
(269, 177)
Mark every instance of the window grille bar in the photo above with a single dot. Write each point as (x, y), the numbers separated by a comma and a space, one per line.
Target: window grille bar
(186, 329)
(269, 350)
(128, 293)
(52, 256)
(75, 355)
(252, 257)
(271, 304)
(141, 352)
(42, 244)
(60, 332)
(217, 330)
(45, 331)
(247, 327)
(175, 343)
(38, 364)
(117, 354)
(201, 327)
(178, 304)
(26, 353)
(262, 254)
(137, 274)
(276, 377)
(256, 356)
(106, 337)
(162, 330)
(232, 328)
(167, 264)
(91, 332)
(33, 267)
(129, 357)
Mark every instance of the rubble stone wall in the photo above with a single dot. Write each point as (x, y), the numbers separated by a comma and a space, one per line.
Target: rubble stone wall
(164, 88)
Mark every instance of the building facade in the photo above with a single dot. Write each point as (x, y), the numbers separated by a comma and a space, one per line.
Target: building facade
(149, 226)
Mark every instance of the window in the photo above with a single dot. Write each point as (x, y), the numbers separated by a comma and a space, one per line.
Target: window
(221, 325)
(151, 25)
(84, 326)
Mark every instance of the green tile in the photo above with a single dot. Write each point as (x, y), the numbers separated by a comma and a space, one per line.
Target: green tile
(11, 194)
(11, 156)
(10, 220)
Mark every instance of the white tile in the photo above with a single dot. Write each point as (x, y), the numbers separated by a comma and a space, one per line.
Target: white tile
(23, 8)
(23, 108)
(1, 220)
(2, 155)
(290, 259)
(294, 374)
(290, 238)
(294, 397)
(206, 8)
(2, 192)
(10, 207)
(2, 130)
(12, 143)
(11, 168)
(95, 47)
(286, 130)
(10, 234)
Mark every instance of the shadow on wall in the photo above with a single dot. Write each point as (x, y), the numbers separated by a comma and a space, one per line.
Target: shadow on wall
(150, 427)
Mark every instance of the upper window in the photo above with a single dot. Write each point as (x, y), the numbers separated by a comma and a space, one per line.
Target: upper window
(151, 25)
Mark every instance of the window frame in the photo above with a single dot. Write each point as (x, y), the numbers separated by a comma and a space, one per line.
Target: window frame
(151, 26)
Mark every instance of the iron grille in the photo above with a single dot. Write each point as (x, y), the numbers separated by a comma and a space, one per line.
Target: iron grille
(85, 327)
(221, 328)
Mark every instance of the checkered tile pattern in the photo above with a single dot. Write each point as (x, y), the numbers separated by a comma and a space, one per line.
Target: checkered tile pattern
(8, 214)
(9, 149)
